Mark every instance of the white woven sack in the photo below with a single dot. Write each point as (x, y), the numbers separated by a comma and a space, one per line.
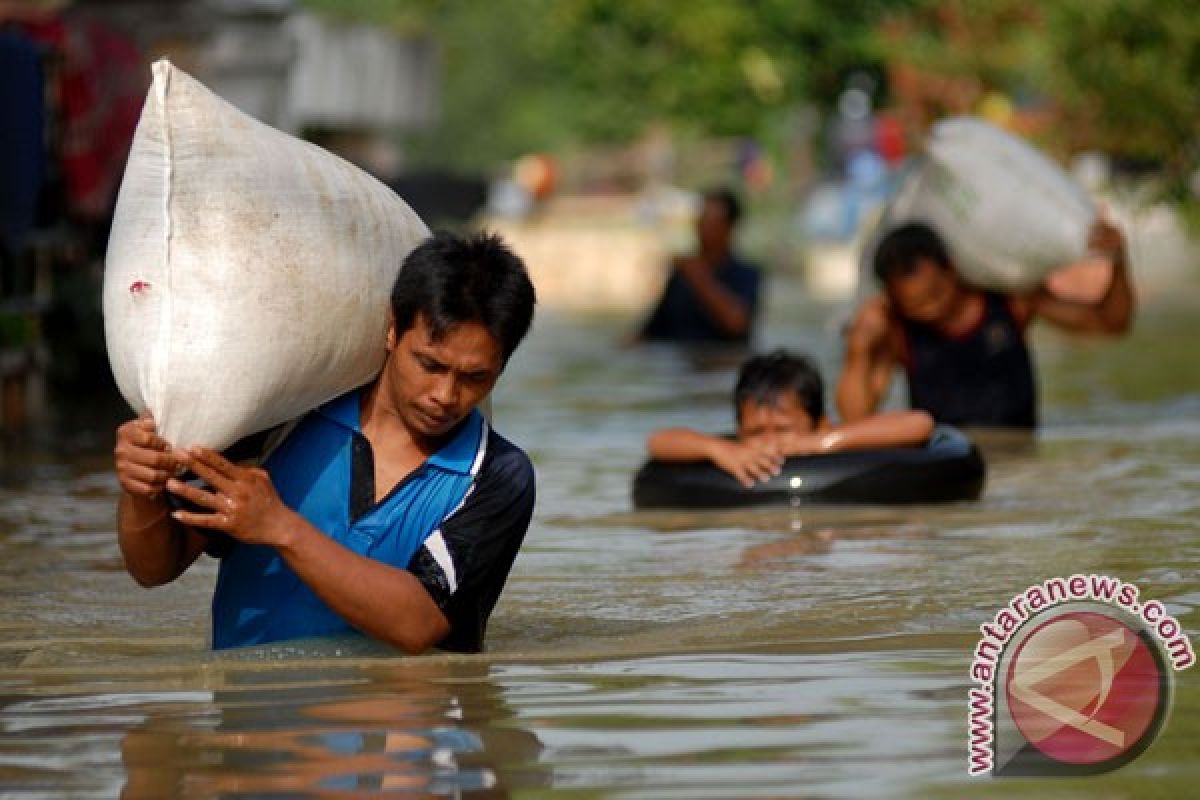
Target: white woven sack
(248, 272)
(1008, 214)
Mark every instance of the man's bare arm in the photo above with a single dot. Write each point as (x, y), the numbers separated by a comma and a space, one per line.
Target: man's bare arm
(156, 549)
(384, 602)
(1113, 312)
(869, 362)
(723, 306)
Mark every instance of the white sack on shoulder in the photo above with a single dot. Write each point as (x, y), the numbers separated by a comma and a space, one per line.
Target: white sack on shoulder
(1008, 214)
(248, 272)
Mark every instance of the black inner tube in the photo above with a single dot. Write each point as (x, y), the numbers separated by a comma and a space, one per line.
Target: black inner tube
(947, 469)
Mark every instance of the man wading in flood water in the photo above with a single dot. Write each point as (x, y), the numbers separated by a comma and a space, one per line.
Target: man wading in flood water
(394, 510)
(963, 349)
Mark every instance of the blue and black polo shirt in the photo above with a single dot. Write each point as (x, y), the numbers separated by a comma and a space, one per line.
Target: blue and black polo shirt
(456, 523)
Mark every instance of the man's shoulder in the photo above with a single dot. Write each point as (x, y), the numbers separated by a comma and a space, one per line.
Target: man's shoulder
(506, 464)
(740, 275)
(742, 266)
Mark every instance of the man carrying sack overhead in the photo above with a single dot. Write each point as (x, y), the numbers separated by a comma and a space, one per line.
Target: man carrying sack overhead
(963, 349)
(970, 240)
(393, 510)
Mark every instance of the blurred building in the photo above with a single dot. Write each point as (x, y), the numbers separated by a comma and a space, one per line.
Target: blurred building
(74, 77)
(296, 71)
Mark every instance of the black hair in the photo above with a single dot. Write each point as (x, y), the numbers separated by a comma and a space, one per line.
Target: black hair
(728, 201)
(451, 279)
(899, 251)
(763, 378)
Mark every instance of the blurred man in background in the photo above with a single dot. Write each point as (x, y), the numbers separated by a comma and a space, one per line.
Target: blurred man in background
(711, 295)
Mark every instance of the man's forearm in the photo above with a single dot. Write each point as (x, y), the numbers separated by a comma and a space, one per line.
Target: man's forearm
(155, 548)
(1111, 314)
(1116, 307)
(868, 363)
(382, 601)
(726, 309)
(856, 398)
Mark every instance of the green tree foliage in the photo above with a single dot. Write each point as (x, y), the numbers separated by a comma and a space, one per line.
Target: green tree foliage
(1124, 72)
(532, 74)
(714, 66)
(1122, 75)
(1127, 75)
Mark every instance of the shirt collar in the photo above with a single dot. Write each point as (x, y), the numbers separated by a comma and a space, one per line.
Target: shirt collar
(344, 410)
(459, 454)
(456, 455)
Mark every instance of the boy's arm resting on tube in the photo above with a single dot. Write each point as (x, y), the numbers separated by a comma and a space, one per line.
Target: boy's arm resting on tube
(384, 602)
(869, 362)
(889, 429)
(745, 462)
(156, 548)
(1112, 313)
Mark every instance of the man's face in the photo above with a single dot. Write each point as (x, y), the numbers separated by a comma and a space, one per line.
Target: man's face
(713, 230)
(433, 385)
(926, 294)
(773, 421)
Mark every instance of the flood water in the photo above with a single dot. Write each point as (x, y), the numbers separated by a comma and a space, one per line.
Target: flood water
(809, 652)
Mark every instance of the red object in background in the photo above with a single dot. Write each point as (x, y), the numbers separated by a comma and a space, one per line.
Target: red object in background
(98, 82)
(889, 138)
(537, 174)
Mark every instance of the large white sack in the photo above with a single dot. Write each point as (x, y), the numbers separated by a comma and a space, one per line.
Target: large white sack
(1008, 214)
(248, 272)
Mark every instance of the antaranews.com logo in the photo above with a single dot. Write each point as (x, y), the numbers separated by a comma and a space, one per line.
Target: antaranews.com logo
(1074, 678)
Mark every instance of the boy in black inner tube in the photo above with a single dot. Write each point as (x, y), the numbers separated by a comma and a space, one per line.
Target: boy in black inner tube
(779, 407)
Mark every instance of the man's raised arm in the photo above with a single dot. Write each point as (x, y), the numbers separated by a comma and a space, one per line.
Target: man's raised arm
(869, 362)
(156, 549)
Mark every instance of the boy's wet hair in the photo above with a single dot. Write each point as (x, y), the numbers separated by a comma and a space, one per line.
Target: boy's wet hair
(762, 379)
(898, 252)
(451, 279)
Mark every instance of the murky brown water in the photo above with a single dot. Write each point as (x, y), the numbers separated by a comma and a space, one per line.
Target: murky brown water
(816, 652)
